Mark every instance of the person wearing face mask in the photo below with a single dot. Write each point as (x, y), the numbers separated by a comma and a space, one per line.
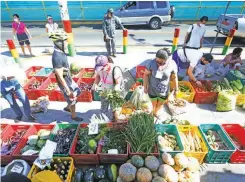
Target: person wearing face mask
(109, 29)
(157, 76)
(51, 26)
(62, 72)
(195, 34)
(22, 33)
(110, 77)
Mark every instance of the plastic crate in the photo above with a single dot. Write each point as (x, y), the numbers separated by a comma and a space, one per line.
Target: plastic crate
(194, 129)
(5, 159)
(240, 100)
(82, 158)
(3, 127)
(96, 96)
(85, 96)
(74, 77)
(51, 93)
(140, 70)
(44, 72)
(217, 156)
(32, 71)
(85, 71)
(62, 126)
(171, 130)
(188, 96)
(34, 129)
(204, 97)
(231, 76)
(33, 94)
(238, 133)
(34, 170)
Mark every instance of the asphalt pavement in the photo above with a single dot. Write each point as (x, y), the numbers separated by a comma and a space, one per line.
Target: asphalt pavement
(91, 35)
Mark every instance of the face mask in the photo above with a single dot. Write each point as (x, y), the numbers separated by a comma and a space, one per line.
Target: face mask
(202, 63)
(16, 19)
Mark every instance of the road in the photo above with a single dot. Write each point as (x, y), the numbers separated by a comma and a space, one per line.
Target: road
(91, 35)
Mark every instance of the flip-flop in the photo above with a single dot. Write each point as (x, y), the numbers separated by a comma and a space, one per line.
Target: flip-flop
(77, 119)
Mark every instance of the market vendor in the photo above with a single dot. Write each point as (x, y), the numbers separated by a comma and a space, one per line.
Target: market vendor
(10, 87)
(62, 72)
(157, 79)
(110, 77)
(187, 59)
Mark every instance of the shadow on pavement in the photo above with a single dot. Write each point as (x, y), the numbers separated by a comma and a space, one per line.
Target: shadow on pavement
(91, 53)
(222, 177)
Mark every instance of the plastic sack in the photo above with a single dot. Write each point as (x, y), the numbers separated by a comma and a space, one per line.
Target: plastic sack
(146, 104)
(226, 101)
(177, 106)
(40, 105)
(17, 166)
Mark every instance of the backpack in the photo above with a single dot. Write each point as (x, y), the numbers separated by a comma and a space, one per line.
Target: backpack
(127, 82)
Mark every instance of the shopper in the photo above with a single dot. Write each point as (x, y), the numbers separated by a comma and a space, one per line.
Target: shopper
(157, 79)
(62, 72)
(195, 34)
(187, 59)
(51, 26)
(109, 29)
(22, 33)
(233, 59)
(10, 87)
(110, 77)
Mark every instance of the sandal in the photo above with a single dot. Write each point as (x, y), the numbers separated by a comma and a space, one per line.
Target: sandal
(77, 119)
(66, 109)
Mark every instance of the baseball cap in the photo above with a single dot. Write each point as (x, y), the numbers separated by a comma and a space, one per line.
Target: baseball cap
(100, 62)
(49, 17)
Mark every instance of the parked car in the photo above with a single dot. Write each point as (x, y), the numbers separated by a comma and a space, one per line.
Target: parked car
(153, 13)
(231, 21)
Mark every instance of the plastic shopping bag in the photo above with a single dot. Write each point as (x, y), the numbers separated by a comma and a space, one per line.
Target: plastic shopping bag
(146, 104)
(177, 106)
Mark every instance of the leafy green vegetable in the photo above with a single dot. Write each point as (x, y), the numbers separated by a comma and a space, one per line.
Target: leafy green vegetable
(114, 97)
(226, 101)
(41, 143)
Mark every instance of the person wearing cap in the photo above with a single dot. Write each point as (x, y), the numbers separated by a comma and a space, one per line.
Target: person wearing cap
(109, 29)
(62, 72)
(106, 74)
(51, 26)
(157, 76)
(187, 59)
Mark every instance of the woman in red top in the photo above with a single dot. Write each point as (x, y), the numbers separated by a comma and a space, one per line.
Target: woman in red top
(21, 32)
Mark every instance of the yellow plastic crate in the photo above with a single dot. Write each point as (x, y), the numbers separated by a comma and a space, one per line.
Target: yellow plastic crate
(240, 100)
(198, 155)
(188, 96)
(34, 170)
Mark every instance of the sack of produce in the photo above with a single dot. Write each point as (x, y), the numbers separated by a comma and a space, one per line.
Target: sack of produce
(40, 105)
(177, 106)
(17, 166)
(226, 101)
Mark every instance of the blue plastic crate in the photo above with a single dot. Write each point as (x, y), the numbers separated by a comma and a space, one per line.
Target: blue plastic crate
(217, 156)
(44, 72)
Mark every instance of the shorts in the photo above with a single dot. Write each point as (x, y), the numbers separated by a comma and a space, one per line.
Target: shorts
(23, 38)
(156, 98)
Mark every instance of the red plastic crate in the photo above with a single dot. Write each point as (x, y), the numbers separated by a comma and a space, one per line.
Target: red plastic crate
(33, 94)
(51, 93)
(3, 127)
(238, 133)
(85, 96)
(82, 158)
(204, 97)
(5, 159)
(155, 153)
(34, 129)
(140, 70)
(88, 80)
(32, 71)
(75, 77)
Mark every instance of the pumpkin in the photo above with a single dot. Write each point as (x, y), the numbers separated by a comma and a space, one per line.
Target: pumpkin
(168, 159)
(181, 160)
(127, 172)
(158, 179)
(168, 173)
(137, 161)
(193, 165)
(155, 174)
(144, 175)
(152, 163)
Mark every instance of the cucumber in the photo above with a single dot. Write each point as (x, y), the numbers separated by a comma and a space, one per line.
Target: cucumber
(112, 173)
(227, 82)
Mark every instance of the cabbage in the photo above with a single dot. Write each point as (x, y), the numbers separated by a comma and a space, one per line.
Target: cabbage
(226, 101)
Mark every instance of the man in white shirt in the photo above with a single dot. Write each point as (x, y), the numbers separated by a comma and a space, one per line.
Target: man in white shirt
(10, 87)
(195, 34)
(51, 26)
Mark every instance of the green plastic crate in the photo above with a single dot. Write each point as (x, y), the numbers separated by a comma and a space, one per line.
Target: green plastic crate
(62, 126)
(171, 130)
(217, 156)
(96, 96)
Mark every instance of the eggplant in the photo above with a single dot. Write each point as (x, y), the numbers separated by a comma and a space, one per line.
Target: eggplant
(89, 175)
(100, 173)
(78, 175)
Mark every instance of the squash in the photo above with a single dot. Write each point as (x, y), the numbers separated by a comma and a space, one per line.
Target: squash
(168, 159)
(112, 172)
(74, 68)
(155, 174)
(152, 163)
(89, 175)
(168, 173)
(177, 168)
(99, 173)
(181, 160)
(193, 165)
(127, 172)
(78, 175)
(137, 161)
(144, 175)
(158, 179)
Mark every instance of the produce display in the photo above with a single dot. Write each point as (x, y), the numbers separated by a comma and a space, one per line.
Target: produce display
(85, 86)
(8, 145)
(176, 121)
(218, 86)
(139, 126)
(52, 86)
(87, 144)
(64, 138)
(88, 75)
(178, 102)
(35, 85)
(191, 142)
(33, 73)
(36, 142)
(184, 88)
(238, 74)
(167, 142)
(215, 141)
(114, 97)
(114, 139)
